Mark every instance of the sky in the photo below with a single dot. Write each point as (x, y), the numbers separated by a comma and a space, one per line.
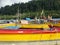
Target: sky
(10, 2)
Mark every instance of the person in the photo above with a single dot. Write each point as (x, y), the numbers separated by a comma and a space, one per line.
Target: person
(36, 20)
(49, 18)
(51, 27)
(45, 19)
(41, 17)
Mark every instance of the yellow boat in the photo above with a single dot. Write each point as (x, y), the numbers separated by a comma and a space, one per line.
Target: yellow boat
(53, 24)
(28, 35)
(57, 25)
(45, 26)
(7, 25)
(34, 26)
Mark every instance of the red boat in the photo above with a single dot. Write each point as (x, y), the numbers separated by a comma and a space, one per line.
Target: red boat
(29, 34)
(28, 31)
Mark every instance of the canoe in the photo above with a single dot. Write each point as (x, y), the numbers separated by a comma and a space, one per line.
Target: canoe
(7, 25)
(16, 26)
(29, 34)
(56, 25)
(34, 26)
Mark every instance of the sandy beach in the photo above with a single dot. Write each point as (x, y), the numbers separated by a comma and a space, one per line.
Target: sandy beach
(32, 43)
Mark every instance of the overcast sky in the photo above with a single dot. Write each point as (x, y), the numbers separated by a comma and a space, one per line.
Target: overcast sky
(10, 2)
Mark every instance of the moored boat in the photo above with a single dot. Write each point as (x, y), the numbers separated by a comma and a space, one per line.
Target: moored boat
(7, 25)
(18, 25)
(56, 25)
(34, 26)
(29, 34)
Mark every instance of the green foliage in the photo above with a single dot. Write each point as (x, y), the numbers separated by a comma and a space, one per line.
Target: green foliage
(33, 8)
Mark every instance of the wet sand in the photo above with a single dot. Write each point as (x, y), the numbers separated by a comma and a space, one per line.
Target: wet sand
(32, 43)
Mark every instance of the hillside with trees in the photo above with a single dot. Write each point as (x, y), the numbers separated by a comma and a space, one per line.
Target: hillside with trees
(32, 8)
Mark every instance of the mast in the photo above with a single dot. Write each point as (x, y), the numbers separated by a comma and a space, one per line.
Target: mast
(18, 14)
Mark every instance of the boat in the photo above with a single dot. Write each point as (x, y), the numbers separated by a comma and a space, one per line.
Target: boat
(53, 24)
(29, 34)
(19, 25)
(7, 25)
(34, 26)
(25, 24)
(14, 25)
(56, 25)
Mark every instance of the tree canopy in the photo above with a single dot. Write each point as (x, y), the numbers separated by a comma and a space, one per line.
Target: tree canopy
(31, 6)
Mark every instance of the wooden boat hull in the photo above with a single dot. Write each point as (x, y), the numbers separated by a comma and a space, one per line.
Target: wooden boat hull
(57, 25)
(7, 25)
(28, 35)
(34, 26)
(16, 26)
